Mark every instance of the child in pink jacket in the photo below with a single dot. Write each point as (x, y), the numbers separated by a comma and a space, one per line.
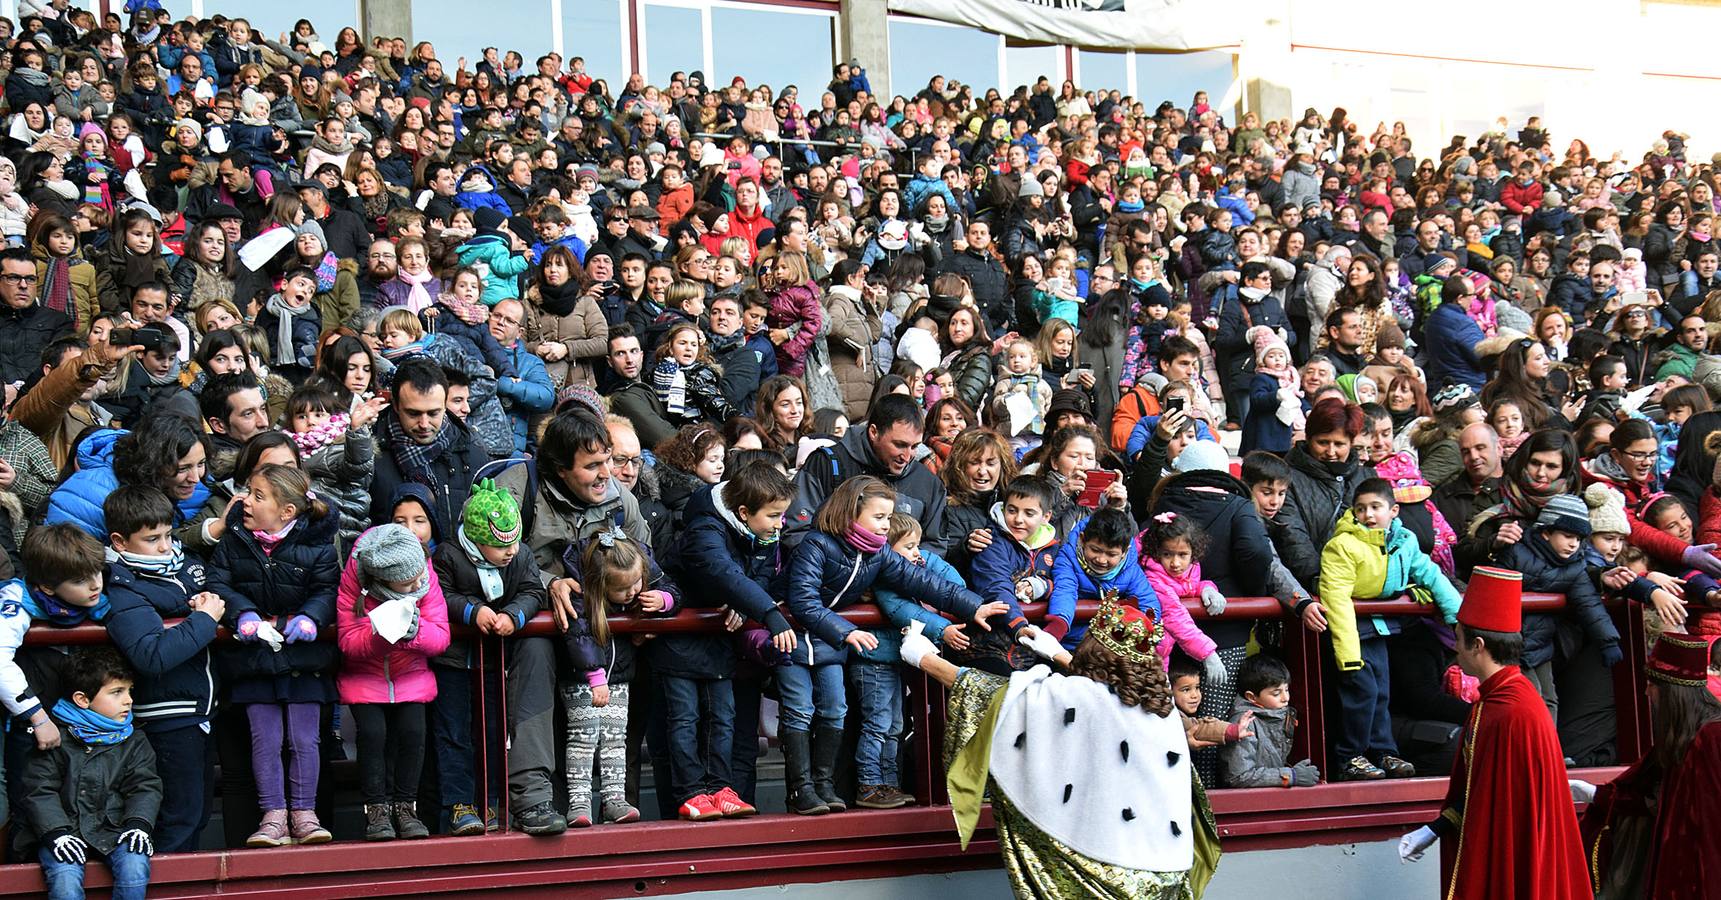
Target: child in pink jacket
(795, 310)
(388, 684)
(1170, 548)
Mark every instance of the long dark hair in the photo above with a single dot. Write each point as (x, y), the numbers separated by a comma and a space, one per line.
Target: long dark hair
(1543, 441)
(1105, 318)
(1680, 711)
(332, 364)
(1515, 384)
(150, 454)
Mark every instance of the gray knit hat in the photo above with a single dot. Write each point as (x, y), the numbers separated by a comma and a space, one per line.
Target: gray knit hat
(390, 553)
(1566, 512)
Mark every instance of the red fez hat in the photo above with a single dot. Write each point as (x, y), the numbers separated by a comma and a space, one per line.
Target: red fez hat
(1494, 600)
(1680, 659)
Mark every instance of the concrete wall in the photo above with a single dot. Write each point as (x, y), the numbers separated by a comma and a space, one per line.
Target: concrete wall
(394, 19)
(1340, 872)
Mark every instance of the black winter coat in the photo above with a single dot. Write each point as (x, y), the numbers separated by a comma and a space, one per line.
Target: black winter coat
(960, 521)
(451, 477)
(736, 570)
(827, 575)
(24, 333)
(1316, 499)
(95, 791)
(986, 276)
(463, 589)
(1584, 617)
(176, 677)
(299, 578)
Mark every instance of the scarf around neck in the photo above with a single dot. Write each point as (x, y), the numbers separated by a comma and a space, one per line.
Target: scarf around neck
(418, 298)
(489, 576)
(863, 540)
(167, 566)
(285, 353)
(321, 436)
(57, 286)
(415, 459)
(269, 540)
(558, 299)
(326, 272)
(92, 727)
(52, 610)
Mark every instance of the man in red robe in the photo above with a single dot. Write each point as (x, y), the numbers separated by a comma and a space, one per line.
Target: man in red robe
(1651, 830)
(1508, 830)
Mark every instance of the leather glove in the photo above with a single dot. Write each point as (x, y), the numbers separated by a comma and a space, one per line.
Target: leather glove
(1700, 557)
(1611, 655)
(1412, 845)
(1305, 774)
(1213, 671)
(1043, 644)
(1582, 791)
(915, 645)
(1212, 600)
(300, 628)
(137, 841)
(70, 849)
(247, 630)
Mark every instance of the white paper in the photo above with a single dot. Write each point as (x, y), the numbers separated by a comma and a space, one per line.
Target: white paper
(1633, 401)
(267, 633)
(392, 619)
(1021, 411)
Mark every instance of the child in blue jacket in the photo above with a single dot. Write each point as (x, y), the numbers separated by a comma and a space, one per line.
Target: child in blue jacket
(844, 556)
(1099, 556)
(1017, 566)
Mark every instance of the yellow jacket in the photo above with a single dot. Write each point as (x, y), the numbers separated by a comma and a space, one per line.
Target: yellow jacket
(1371, 564)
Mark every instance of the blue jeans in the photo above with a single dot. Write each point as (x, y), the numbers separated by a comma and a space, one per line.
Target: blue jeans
(809, 692)
(879, 689)
(451, 719)
(66, 880)
(700, 715)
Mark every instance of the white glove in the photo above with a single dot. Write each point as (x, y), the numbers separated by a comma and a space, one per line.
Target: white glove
(1582, 791)
(1043, 644)
(70, 849)
(915, 645)
(1212, 600)
(1213, 671)
(137, 841)
(1411, 846)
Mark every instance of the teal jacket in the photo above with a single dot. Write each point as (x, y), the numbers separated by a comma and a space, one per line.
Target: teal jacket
(498, 263)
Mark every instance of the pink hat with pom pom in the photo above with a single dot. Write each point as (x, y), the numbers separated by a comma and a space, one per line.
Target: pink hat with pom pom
(1264, 339)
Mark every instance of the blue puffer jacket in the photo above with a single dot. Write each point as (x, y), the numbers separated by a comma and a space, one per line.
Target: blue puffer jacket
(79, 499)
(1072, 582)
(828, 575)
(300, 577)
(1451, 336)
(1584, 618)
(529, 397)
(176, 679)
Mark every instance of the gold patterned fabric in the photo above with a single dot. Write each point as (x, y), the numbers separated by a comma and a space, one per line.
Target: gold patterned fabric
(1039, 865)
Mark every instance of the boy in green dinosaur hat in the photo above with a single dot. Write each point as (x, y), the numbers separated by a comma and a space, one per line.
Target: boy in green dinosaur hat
(495, 588)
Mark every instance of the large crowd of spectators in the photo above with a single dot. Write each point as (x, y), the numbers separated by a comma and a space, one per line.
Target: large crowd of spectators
(309, 336)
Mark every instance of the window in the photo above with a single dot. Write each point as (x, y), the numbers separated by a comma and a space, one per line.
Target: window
(1025, 65)
(328, 17)
(456, 28)
(1177, 76)
(1104, 71)
(774, 48)
(674, 40)
(593, 29)
(919, 51)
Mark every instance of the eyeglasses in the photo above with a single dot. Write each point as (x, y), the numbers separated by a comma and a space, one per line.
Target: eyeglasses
(18, 279)
(1644, 456)
(626, 462)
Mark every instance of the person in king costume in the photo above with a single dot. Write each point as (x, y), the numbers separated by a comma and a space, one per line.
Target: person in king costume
(1651, 831)
(1088, 773)
(1507, 830)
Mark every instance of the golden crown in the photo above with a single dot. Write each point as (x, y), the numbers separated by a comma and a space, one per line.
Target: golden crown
(1125, 630)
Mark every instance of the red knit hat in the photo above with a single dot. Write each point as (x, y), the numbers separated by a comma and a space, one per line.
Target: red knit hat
(1680, 659)
(1494, 600)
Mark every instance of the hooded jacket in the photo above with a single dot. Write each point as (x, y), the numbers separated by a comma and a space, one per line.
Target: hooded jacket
(1071, 581)
(299, 577)
(1545, 572)
(1319, 493)
(1180, 628)
(1262, 759)
(1361, 563)
(374, 670)
(94, 791)
(496, 260)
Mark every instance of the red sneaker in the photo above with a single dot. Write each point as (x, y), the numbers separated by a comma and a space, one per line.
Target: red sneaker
(731, 805)
(700, 808)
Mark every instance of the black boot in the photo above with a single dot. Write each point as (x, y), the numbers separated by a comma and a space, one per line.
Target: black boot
(797, 774)
(827, 743)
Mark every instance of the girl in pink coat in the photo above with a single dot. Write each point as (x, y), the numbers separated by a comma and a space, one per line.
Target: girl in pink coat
(392, 621)
(1169, 549)
(796, 316)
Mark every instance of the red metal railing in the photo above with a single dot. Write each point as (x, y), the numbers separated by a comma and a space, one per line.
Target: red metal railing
(669, 857)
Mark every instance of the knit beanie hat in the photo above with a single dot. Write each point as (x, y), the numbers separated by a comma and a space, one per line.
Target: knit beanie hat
(1454, 397)
(491, 517)
(1201, 456)
(1389, 335)
(1030, 188)
(1264, 339)
(390, 553)
(487, 220)
(1607, 510)
(1565, 512)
